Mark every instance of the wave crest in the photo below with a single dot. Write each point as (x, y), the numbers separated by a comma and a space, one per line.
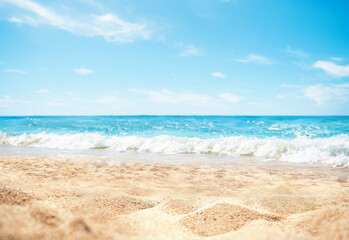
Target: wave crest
(329, 151)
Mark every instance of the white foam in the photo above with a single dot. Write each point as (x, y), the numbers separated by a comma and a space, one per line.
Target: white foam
(329, 151)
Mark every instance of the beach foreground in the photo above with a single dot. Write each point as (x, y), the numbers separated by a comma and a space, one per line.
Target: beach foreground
(51, 198)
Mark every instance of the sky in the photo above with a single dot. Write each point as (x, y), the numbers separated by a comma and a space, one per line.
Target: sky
(183, 57)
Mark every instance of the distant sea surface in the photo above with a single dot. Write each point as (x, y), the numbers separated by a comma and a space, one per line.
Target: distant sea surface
(320, 140)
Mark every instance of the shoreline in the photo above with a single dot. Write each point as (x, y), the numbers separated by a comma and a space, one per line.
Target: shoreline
(72, 198)
(112, 157)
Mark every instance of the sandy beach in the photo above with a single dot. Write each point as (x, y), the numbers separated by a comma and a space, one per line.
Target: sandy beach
(51, 198)
(174, 120)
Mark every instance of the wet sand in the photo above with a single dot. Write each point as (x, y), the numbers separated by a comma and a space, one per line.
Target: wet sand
(55, 198)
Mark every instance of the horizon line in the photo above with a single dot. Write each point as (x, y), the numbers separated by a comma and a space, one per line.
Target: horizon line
(174, 115)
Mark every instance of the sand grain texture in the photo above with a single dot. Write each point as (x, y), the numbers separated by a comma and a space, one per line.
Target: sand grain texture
(58, 198)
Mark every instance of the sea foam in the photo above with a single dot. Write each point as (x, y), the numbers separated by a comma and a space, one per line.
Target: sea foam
(328, 151)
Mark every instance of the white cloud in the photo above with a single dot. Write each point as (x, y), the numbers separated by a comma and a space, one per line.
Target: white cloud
(74, 96)
(6, 99)
(336, 59)
(230, 97)
(112, 99)
(303, 64)
(14, 71)
(256, 59)
(43, 91)
(83, 71)
(285, 85)
(92, 3)
(284, 96)
(109, 26)
(25, 19)
(296, 52)
(55, 104)
(298, 92)
(16, 20)
(4, 102)
(332, 68)
(107, 99)
(344, 85)
(321, 94)
(218, 75)
(189, 50)
(166, 96)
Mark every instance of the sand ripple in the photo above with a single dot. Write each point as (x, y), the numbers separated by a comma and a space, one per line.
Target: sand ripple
(224, 217)
(74, 199)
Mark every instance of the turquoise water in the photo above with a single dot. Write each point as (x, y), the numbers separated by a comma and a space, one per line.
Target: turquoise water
(323, 140)
(196, 126)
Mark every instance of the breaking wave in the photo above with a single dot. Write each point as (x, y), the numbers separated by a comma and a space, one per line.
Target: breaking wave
(329, 151)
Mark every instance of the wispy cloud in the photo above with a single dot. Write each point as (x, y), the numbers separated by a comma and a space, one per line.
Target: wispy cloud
(303, 64)
(109, 25)
(83, 71)
(321, 94)
(332, 68)
(344, 85)
(253, 58)
(318, 93)
(336, 59)
(74, 97)
(25, 19)
(218, 75)
(296, 52)
(297, 92)
(230, 97)
(107, 99)
(285, 85)
(112, 99)
(191, 51)
(192, 98)
(55, 104)
(92, 3)
(14, 71)
(7, 100)
(284, 95)
(188, 50)
(43, 91)
(167, 96)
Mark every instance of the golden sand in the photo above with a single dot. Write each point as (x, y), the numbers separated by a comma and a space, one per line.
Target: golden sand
(48, 198)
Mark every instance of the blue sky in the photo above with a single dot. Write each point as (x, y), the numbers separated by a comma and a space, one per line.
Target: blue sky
(202, 57)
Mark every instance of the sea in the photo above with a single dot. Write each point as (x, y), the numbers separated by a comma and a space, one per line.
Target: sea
(320, 140)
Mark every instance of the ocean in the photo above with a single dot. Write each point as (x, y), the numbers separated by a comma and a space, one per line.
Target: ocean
(289, 139)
